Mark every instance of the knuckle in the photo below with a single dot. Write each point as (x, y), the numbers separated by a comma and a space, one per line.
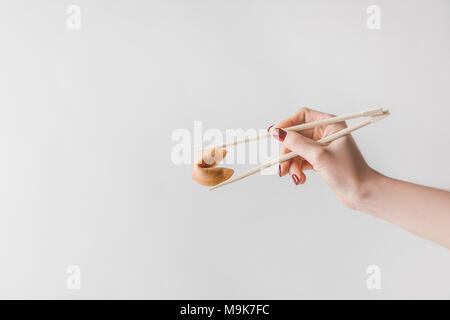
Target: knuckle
(302, 110)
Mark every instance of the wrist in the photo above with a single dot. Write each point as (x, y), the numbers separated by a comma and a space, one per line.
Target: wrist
(368, 190)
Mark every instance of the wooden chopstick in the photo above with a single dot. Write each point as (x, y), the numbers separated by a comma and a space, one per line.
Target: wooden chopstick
(290, 155)
(304, 126)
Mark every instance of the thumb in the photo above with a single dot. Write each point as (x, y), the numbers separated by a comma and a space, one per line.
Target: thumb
(304, 147)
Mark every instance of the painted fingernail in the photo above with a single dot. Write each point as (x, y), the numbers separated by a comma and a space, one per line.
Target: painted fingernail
(268, 129)
(296, 180)
(279, 170)
(279, 134)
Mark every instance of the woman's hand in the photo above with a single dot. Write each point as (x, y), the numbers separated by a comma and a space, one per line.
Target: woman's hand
(340, 164)
(422, 210)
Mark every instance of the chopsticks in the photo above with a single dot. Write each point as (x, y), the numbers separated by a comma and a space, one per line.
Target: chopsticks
(373, 116)
(304, 126)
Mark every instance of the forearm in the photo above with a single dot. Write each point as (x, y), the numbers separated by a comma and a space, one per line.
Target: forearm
(421, 210)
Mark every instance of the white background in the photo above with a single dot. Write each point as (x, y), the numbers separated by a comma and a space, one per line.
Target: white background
(86, 118)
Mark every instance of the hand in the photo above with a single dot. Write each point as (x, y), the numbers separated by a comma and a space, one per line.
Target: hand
(340, 164)
(418, 209)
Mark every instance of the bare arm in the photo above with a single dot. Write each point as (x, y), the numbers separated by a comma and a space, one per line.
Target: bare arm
(421, 210)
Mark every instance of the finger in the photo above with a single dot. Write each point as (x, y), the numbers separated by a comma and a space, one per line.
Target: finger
(284, 166)
(300, 116)
(303, 177)
(304, 147)
(303, 115)
(295, 171)
(307, 166)
(297, 118)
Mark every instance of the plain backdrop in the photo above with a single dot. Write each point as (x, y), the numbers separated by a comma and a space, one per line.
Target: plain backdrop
(86, 117)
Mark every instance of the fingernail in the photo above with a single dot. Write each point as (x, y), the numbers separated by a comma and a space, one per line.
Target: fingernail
(279, 134)
(268, 129)
(296, 180)
(279, 170)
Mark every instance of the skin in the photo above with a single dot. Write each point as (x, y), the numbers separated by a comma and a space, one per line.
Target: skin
(421, 210)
